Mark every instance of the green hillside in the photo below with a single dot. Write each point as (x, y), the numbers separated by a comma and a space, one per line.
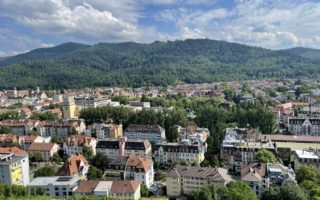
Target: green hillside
(43, 53)
(159, 63)
(313, 54)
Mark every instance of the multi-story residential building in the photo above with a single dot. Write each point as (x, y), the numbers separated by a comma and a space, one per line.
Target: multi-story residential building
(103, 131)
(74, 144)
(137, 105)
(306, 157)
(284, 112)
(184, 179)
(63, 128)
(20, 127)
(153, 133)
(304, 126)
(125, 190)
(116, 148)
(261, 176)
(45, 149)
(168, 153)
(240, 146)
(193, 133)
(14, 167)
(91, 101)
(7, 140)
(139, 169)
(74, 166)
(309, 112)
(55, 186)
(26, 140)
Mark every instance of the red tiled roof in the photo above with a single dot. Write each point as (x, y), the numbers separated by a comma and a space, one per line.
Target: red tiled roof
(124, 187)
(41, 146)
(139, 162)
(87, 186)
(15, 150)
(72, 166)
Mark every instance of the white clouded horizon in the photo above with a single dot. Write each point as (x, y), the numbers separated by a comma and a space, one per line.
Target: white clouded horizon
(274, 24)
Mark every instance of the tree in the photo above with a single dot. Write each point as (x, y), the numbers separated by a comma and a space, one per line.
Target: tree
(206, 193)
(273, 193)
(143, 98)
(36, 157)
(307, 173)
(237, 191)
(308, 177)
(45, 171)
(194, 195)
(57, 139)
(87, 152)
(144, 191)
(287, 191)
(56, 158)
(100, 161)
(44, 116)
(94, 173)
(73, 131)
(291, 191)
(5, 130)
(313, 188)
(265, 156)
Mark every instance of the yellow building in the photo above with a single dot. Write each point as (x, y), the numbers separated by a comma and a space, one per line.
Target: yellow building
(168, 153)
(69, 108)
(181, 180)
(14, 169)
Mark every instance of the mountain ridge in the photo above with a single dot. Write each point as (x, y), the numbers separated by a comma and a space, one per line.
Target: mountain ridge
(133, 64)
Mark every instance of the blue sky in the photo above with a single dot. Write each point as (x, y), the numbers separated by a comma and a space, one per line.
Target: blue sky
(275, 24)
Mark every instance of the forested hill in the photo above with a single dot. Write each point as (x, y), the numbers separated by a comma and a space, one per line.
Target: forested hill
(159, 63)
(313, 54)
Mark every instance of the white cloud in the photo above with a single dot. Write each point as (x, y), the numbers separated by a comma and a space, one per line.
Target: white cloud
(18, 42)
(76, 21)
(268, 23)
(183, 2)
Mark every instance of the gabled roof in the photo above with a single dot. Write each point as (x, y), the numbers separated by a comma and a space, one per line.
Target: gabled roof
(81, 140)
(15, 150)
(124, 187)
(41, 146)
(72, 166)
(253, 172)
(210, 173)
(87, 186)
(140, 163)
(144, 128)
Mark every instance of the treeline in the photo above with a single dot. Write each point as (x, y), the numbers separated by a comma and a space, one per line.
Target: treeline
(241, 191)
(207, 112)
(158, 63)
(122, 115)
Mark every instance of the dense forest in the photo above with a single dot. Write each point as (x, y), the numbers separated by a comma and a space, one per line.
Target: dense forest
(132, 64)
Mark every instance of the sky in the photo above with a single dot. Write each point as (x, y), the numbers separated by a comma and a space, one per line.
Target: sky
(273, 24)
